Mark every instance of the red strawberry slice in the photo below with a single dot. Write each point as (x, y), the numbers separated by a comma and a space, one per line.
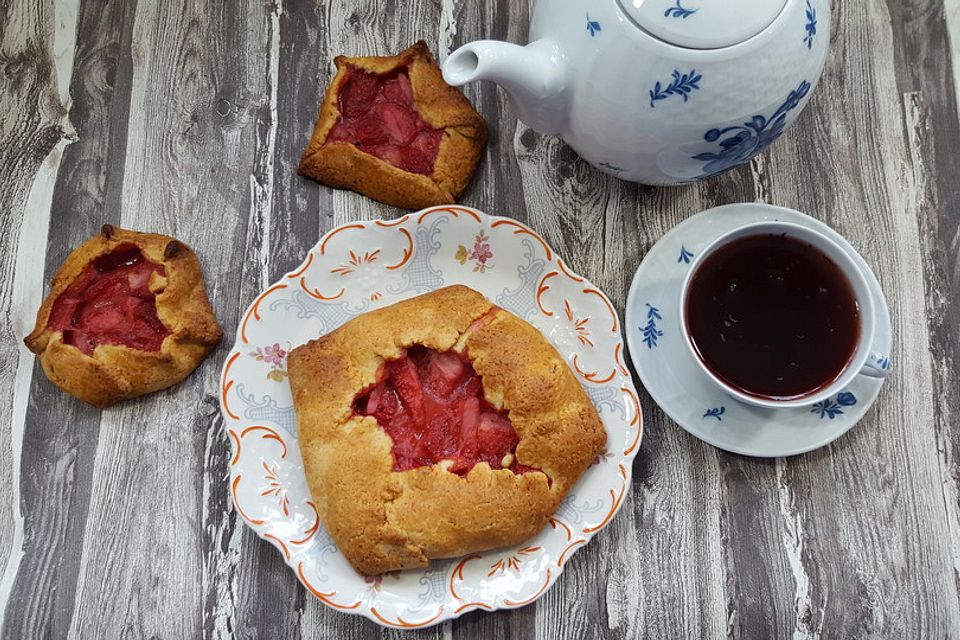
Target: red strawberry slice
(496, 437)
(398, 89)
(399, 122)
(103, 320)
(387, 153)
(448, 364)
(470, 423)
(140, 336)
(105, 286)
(138, 278)
(442, 373)
(132, 305)
(420, 156)
(63, 311)
(388, 406)
(110, 303)
(407, 384)
(432, 406)
(358, 92)
(440, 438)
(377, 115)
(373, 400)
(369, 131)
(472, 387)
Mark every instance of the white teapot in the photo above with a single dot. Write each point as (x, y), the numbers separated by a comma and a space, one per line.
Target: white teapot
(659, 91)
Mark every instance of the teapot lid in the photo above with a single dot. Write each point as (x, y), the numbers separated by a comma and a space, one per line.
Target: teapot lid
(703, 24)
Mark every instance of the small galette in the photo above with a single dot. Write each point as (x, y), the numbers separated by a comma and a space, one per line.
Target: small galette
(127, 314)
(438, 426)
(392, 129)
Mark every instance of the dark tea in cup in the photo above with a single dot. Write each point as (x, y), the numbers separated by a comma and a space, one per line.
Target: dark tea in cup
(772, 316)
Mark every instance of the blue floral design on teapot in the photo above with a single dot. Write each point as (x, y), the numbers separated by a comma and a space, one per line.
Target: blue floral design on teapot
(742, 142)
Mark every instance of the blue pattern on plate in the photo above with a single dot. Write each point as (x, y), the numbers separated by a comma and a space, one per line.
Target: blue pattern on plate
(593, 26)
(716, 412)
(650, 331)
(685, 255)
(420, 275)
(331, 315)
(811, 25)
(679, 11)
(574, 513)
(742, 142)
(434, 582)
(683, 84)
(267, 410)
(519, 300)
(327, 547)
(604, 396)
(832, 408)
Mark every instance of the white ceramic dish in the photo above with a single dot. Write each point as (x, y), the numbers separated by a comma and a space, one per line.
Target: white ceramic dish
(674, 378)
(365, 265)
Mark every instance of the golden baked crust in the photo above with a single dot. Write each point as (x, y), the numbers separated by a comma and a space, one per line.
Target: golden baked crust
(117, 372)
(342, 165)
(383, 520)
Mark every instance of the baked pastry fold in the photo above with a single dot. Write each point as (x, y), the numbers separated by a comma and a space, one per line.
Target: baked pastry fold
(115, 371)
(342, 164)
(383, 519)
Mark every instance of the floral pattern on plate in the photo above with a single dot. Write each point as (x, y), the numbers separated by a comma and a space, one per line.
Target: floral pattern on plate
(365, 265)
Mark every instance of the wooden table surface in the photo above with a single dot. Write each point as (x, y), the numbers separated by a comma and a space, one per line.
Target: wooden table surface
(188, 118)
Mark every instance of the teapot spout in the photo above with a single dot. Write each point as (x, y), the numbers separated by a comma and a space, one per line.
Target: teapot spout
(533, 76)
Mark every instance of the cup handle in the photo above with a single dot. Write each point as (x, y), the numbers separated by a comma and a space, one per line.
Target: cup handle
(878, 365)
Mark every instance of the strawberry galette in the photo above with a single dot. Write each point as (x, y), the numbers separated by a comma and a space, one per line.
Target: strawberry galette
(392, 129)
(436, 427)
(127, 314)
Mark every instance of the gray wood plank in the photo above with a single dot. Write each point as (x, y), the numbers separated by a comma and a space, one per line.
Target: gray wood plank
(496, 186)
(36, 56)
(152, 560)
(932, 131)
(269, 601)
(61, 432)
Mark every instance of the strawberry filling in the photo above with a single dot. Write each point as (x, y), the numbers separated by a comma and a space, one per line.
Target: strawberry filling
(110, 303)
(377, 117)
(431, 404)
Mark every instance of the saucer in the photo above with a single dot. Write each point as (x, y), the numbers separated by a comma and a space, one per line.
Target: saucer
(675, 382)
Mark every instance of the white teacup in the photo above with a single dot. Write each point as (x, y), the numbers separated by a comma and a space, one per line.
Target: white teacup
(866, 360)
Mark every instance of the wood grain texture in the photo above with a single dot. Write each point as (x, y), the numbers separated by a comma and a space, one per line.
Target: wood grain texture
(36, 55)
(189, 119)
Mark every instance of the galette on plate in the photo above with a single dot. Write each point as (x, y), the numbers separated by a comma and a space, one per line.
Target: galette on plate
(438, 426)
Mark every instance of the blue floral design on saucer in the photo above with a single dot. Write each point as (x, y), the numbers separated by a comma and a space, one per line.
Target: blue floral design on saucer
(832, 408)
(679, 11)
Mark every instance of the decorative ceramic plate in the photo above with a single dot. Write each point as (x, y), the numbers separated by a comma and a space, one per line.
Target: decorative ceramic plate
(365, 265)
(671, 375)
